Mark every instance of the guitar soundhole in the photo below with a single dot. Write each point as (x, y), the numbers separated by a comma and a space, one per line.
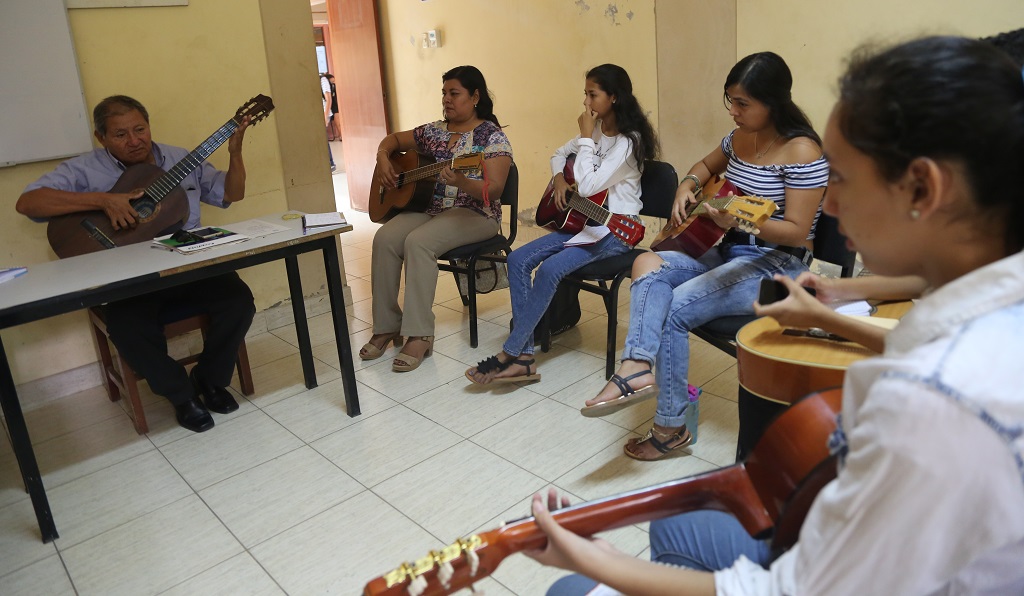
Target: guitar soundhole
(145, 207)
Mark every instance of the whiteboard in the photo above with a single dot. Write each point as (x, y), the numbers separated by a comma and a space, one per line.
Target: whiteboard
(42, 107)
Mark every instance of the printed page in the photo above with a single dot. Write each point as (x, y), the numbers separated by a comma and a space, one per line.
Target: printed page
(589, 235)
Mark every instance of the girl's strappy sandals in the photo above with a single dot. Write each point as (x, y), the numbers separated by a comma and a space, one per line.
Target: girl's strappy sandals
(628, 397)
(496, 365)
(663, 442)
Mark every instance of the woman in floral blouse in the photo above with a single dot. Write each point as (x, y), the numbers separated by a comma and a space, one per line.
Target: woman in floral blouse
(465, 208)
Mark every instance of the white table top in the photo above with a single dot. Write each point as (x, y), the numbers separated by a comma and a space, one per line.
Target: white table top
(98, 269)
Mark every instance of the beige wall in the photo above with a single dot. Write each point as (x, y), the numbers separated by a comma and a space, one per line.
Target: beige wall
(192, 66)
(815, 37)
(534, 55)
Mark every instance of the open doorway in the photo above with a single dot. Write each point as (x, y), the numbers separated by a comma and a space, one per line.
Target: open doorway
(347, 39)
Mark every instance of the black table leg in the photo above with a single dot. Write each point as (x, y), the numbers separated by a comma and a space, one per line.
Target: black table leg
(340, 316)
(23, 450)
(291, 264)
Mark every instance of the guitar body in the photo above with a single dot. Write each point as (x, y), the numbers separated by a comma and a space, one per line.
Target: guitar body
(568, 220)
(408, 195)
(782, 368)
(68, 238)
(772, 490)
(695, 236)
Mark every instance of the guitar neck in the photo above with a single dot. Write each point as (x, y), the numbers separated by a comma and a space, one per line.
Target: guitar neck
(718, 203)
(589, 208)
(163, 185)
(424, 172)
(728, 489)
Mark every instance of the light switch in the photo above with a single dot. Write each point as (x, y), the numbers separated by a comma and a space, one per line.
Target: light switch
(433, 38)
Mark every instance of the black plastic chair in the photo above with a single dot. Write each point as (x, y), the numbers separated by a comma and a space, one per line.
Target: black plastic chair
(657, 191)
(493, 249)
(829, 246)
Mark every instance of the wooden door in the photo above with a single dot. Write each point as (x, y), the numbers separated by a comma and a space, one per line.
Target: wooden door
(355, 49)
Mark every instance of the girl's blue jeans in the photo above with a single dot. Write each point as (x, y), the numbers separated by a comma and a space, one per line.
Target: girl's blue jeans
(553, 261)
(684, 293)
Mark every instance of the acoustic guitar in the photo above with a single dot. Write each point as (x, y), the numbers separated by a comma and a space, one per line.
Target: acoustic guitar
(416, 181)
(777, 366)
(162, 208)
(697, 234)
(771, 491)
(579, 210)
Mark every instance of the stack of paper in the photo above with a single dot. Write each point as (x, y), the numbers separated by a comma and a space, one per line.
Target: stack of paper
(198, 239)
(319, 220)
(9, 273)
(852, 307)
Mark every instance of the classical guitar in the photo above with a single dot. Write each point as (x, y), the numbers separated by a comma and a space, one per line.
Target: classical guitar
(416, 181)
(162, 208)
(697, 234)
(771, 491)
(582, 209)
(781, 367)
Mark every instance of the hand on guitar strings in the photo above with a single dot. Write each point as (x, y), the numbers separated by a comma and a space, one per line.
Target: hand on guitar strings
(452, 178)
(722, 219)
(564, 549)
(799, 308)
(119, 210)
(561, 191)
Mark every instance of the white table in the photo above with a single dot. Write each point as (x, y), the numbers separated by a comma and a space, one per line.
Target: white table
(75, 283)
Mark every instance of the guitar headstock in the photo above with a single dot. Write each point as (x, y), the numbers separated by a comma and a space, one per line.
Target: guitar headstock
(751, 212)
(257, 109)
(469, 161)
(439, 572)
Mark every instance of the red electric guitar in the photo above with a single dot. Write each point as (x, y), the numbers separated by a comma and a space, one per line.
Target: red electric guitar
(772, 490)
(697, 234)
(581, 209)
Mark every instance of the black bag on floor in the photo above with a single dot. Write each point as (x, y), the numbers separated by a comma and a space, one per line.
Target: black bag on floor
(562, 314)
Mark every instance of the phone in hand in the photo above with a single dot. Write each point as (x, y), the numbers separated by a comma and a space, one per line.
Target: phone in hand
(773, 291)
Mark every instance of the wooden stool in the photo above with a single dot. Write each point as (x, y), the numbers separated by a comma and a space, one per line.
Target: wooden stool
(122, 380)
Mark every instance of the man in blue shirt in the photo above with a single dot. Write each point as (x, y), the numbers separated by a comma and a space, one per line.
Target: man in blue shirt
(135, 325)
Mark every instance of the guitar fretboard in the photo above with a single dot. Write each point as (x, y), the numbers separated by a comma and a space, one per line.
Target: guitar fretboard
(169, 181)
(720, 203)
(589, 208)
(425, 172)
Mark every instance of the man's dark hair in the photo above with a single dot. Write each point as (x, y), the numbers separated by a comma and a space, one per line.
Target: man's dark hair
(115, 105)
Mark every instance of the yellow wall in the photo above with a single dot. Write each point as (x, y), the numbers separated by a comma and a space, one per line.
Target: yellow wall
(534, 55)
(192, 66)
(815, 37)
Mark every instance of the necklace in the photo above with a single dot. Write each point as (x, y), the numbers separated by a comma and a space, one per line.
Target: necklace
(761, 154)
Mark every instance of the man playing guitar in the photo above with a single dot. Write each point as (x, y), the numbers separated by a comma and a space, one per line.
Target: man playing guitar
(83, 184)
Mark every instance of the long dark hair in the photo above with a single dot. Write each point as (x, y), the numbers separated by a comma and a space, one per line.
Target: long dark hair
(766, 77)
(946, 98)
(629, 116)
(472, 79)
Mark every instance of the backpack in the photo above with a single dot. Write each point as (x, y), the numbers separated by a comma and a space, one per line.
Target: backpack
(562, 314)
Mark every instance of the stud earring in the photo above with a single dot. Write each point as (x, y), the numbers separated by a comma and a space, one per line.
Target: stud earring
(915, 214)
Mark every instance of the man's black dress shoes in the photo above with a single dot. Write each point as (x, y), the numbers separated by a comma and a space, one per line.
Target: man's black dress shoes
(217, 399)
(193, 416)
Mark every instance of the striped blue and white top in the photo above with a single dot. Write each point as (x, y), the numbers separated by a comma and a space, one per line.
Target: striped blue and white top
(771, 181)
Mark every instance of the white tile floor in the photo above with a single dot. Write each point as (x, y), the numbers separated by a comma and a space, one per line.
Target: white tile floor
(289, 494)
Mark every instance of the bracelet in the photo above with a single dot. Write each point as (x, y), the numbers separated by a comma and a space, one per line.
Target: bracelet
(696, 182)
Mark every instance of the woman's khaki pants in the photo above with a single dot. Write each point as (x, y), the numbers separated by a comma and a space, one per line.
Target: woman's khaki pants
(416, 239)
